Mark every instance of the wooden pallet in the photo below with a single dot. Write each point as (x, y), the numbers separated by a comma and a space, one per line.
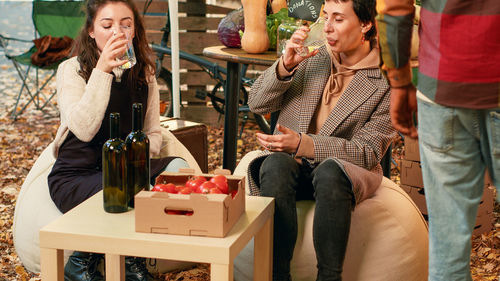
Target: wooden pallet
(198, 24)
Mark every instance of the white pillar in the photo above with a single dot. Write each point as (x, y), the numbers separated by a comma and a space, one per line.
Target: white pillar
(174, 45)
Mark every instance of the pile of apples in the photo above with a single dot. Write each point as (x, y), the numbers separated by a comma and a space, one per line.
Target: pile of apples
(198, 184)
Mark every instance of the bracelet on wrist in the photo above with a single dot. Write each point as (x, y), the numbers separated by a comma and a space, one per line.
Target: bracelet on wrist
(402, 87)
(298, 145)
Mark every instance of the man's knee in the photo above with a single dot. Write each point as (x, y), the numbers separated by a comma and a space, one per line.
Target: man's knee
(328, 171)
(330, 181)
(278, 175)
(278, 162)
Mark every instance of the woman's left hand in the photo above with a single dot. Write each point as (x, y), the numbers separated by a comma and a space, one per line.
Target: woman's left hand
(287, 142)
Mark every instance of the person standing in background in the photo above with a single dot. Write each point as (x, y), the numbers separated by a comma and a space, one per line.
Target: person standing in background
(458, 101)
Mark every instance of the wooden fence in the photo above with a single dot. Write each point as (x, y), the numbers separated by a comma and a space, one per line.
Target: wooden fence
(198, 24)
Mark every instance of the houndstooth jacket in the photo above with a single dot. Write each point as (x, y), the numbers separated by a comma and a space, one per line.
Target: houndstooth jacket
(357, 132)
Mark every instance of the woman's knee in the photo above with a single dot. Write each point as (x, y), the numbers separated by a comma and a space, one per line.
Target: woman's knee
(176, 164)
(330, 181)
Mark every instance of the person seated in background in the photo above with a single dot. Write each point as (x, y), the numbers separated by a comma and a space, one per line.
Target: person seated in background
(90, 87)
(333, 130)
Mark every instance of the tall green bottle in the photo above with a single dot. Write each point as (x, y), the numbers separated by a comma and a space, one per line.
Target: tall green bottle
(114, 169)
(137, 143)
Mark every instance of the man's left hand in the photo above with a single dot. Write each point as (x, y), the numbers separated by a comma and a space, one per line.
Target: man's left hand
(403, 110)
(286, 142)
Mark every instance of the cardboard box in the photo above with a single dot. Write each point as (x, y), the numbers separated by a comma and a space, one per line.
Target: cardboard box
(417, 194)
(192, 135)
(212, 214)
(488, 199)
(482, 228)
(411, 173)
(484, 218)
(412, 152)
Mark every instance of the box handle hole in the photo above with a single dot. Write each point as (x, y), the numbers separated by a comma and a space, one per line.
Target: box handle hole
(177, 212)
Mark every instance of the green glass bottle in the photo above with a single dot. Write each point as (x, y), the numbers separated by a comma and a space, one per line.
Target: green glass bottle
(114, 169)
(137, 143)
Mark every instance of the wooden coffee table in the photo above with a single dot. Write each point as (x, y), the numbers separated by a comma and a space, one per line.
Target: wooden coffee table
(88, 228)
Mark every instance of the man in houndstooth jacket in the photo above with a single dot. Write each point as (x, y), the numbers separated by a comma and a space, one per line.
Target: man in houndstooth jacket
(333, 129)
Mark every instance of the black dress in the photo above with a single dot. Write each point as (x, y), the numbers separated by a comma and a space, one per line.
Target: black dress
(77, 172)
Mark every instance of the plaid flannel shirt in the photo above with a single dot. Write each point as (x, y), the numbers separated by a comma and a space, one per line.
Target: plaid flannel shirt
(459, 53)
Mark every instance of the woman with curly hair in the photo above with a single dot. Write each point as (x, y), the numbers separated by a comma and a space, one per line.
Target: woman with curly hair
(90, 87)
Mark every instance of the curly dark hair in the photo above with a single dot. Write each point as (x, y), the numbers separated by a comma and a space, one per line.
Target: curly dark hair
(366, 11)
(88, 53)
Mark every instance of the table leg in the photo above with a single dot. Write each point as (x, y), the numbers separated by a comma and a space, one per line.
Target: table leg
(115, 267)
(231, 115)
(222, 272)
(263, 253)
(52, 264)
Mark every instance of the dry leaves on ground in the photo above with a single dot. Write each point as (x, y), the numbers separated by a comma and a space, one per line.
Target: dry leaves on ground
(201, 272)
(21, 143)
(486, 256)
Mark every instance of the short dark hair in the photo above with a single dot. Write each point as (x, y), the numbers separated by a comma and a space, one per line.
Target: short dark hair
(366, 12)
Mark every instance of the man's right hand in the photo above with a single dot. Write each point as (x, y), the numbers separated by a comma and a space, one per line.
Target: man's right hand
(291, 58)
(403, 108)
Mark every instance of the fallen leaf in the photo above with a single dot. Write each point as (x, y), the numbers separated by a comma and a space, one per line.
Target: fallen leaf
(489, 267)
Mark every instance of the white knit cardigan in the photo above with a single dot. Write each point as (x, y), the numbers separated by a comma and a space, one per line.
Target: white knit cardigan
(82, 105)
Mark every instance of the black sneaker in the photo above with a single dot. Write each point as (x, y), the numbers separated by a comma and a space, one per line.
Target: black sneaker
(136, 270)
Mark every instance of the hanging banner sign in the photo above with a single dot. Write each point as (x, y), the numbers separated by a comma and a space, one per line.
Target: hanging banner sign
(305, 9)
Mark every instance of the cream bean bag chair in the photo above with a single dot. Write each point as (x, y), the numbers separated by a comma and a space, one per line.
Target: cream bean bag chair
(35, 208)
(388, 239)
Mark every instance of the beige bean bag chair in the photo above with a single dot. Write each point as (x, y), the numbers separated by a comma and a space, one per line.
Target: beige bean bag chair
(388, 239)
(35, 208)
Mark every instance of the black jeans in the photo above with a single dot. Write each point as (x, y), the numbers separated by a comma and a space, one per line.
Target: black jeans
(287, 181)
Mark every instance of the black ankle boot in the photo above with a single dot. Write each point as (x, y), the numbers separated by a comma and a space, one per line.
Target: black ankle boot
(82, 266)
(136, 270)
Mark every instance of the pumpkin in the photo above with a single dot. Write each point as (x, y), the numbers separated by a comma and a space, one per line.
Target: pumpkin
(277, 5)
(255, 39)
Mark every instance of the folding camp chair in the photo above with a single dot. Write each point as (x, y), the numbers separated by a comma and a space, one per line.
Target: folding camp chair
(56, 18)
